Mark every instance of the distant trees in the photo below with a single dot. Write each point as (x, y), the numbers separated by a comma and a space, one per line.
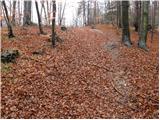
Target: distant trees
(125, 23)
(143, 25)
(61, 12)
(10, 31)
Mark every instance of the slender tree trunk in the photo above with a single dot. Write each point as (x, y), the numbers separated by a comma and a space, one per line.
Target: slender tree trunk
(144, 24)
(88, 12)
(53, 24)
(84, 13)
(125, 20)
(48, 12)
(19, 13)
(137, 15)
(27, 13)
(119, 14)
(153, 19)
(10, 8)
(14, 13)
(95, 12)
(45, 13)
(62, 13)
(59, 12)
(10, 31)
(39, 19)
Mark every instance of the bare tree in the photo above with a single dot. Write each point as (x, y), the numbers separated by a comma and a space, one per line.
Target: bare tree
(88, 13)
(27, 13)
(44, 9)
(125, 21)
(62, 13)
(119, 16)
(144, 25)
(39, 19)
(153, 12)
(48, 12)
(84, 13)
(59, 11)
(10, 31)
(14, 13)
(53, 24)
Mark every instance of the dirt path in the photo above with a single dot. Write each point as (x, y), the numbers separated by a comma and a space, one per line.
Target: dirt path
(80, 78)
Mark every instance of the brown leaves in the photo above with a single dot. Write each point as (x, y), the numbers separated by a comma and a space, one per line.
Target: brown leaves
(80, 78)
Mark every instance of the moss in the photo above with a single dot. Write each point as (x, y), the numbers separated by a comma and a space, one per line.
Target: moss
(6, 68)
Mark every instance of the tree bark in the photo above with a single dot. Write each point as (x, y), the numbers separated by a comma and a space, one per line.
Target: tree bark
(27, 13)
(125, 21)
(10, 31)
(53, 24)
(39, 18)
(144, 25)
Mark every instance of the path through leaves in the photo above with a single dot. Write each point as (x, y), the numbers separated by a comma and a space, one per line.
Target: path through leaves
(90, 75)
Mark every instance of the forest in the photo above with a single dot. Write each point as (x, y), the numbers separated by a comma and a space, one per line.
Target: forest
(79, 59)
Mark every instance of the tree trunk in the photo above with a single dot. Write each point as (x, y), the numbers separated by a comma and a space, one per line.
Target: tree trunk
(14, 13)
(119, 22)
(88, 12)
(43, 8)
(59, 12)
(53, 24)
(144, 25)
(95, 12)
(27, 13)
(154, 7)
(48, 12)
(39, 18)
(19, 13)
(62, 13)
(137, 15)
(84, 13)
(125, 21)
(10, 31)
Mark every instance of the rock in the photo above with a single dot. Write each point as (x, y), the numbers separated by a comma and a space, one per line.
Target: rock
(9, 56)
(63, 28)
(38, 52)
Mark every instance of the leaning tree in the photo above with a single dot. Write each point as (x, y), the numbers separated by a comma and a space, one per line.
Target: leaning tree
(39, 18)
(10, 31)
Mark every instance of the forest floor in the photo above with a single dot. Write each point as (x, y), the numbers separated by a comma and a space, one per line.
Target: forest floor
(89, 75)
